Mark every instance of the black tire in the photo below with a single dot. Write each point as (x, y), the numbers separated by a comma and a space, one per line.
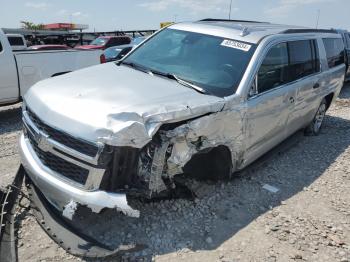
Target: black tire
(314, 128)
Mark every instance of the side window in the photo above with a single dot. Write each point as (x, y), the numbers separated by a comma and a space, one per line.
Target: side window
(273, 71)
(124, 52)
(303, 59)
(15, 41)
(348, 37)
(0, 47)
(335, 51)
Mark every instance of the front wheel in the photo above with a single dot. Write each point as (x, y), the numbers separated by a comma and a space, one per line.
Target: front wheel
(314, 127)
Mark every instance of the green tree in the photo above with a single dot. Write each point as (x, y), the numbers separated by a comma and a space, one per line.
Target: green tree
(31, 26)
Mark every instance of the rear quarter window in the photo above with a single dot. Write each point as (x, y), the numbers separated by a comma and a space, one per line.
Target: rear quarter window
(335, 51)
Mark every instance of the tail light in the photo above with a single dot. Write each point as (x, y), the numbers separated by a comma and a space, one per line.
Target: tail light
(102, 59)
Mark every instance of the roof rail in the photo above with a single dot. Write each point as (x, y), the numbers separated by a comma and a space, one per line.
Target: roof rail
(228, 20)
(300, 31)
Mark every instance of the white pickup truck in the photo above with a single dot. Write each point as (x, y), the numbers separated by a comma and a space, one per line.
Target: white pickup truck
(19, 70)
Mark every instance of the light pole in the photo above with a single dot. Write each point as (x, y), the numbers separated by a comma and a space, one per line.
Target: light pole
(318, 17)
(229, 14)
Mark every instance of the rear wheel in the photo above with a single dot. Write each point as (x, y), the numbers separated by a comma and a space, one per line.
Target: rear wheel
(314, 127)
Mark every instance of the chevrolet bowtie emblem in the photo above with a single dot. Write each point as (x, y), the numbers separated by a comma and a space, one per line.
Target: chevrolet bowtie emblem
(42, 140)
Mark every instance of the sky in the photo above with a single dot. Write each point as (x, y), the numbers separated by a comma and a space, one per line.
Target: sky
(108, 15)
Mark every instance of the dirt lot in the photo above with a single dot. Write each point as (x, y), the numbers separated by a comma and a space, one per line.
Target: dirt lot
(308, 219)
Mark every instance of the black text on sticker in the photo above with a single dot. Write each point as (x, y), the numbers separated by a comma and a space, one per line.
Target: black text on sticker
(236, 45)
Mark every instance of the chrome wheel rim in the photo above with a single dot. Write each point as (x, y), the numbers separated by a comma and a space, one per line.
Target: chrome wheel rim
(319, 117)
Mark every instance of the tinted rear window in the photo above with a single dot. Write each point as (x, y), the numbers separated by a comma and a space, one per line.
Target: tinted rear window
(15, 41)
(304, 59)
(287, 62)
(334, 51)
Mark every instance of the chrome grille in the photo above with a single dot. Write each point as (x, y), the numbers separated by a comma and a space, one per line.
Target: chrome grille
(63, 154)
(83, 147)
(59, 165)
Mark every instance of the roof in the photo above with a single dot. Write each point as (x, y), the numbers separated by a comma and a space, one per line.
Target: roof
(14, 35)
(247, 31)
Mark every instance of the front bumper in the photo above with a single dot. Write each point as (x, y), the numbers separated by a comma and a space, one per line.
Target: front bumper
(61, 194)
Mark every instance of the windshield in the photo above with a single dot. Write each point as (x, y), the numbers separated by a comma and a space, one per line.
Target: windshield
(99, 41)
(213, 63)
(112, 52)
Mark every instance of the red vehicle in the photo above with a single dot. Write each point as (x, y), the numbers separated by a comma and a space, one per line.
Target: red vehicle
(49, 47)
(104, 42)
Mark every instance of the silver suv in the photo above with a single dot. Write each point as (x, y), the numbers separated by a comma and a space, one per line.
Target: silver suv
(199, 100)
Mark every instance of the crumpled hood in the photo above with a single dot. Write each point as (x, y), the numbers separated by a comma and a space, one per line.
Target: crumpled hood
(116, 105)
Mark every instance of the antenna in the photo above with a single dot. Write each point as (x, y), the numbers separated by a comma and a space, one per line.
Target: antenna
(229, 15)
(318, 17)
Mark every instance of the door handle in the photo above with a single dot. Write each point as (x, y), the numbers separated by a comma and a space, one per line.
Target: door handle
(317, 85)
(291, 100)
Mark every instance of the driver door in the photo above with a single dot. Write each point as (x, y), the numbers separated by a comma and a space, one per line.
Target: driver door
(269, 107)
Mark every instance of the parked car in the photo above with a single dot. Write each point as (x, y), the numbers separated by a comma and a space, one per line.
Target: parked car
(17, 42)
(49, 47)
(346, 37)
(203, 99)
(104, 42)
(117, 52)
(21, 69)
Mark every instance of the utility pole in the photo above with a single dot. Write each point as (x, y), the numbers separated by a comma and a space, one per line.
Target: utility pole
(318, 17)
(229, 15)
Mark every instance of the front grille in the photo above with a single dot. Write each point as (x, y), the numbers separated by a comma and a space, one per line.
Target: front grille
(59, 165)
(83, 147)
(122, 171)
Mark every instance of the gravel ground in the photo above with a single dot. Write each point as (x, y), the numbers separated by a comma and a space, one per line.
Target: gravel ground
(307, 219)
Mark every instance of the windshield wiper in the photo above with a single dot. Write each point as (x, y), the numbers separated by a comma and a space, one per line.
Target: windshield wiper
(181, 81)
(168, 75)
(135, 66)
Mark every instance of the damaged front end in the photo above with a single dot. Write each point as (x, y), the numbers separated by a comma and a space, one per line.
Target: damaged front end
(65, 172)
(205, 148)
(200, 147)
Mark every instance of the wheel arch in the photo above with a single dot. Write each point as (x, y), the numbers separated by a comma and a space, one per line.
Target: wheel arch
(214, 163)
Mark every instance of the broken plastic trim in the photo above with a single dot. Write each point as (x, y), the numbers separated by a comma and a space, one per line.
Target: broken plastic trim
(73, 241)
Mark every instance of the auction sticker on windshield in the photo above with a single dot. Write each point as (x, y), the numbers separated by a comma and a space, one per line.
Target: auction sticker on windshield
(236, 45)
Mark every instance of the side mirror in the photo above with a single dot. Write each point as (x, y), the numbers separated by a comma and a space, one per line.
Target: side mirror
(253, 91)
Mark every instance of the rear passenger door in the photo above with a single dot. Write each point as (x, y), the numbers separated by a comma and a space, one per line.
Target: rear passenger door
(269, 109)
(304, 74)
